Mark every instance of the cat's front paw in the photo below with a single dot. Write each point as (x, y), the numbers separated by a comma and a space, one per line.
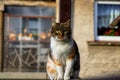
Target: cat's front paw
(66, 78)
(58, 78)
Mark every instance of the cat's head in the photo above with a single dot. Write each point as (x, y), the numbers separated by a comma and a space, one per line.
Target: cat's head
(61, 31)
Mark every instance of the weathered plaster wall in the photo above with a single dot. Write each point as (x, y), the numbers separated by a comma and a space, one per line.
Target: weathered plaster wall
(83, 28)
(103, 61)
(96, 61)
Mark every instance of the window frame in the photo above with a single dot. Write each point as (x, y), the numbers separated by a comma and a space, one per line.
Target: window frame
(23, 75)
(6, 68)
(98, 37)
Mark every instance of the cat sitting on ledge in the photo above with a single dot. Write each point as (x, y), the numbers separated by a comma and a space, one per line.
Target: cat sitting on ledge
(63, 57)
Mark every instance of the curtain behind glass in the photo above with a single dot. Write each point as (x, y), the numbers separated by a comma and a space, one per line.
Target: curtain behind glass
(107, 13)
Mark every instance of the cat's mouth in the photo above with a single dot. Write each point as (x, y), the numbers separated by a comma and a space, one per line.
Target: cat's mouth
(60, 38)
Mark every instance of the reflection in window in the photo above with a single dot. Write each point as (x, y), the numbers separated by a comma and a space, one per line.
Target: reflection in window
(28, 28)
(26, 38)
(106, 14)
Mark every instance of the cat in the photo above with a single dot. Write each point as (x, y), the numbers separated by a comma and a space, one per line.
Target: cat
(63, 58)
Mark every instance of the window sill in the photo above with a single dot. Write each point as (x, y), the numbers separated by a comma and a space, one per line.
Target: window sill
(108, 38)
(23, 75)
(104, 43)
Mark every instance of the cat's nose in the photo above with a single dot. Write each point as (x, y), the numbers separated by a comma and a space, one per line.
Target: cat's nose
(60, 37)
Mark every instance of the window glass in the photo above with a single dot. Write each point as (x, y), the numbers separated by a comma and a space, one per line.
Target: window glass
(107, 24)
(26, 40)
(30, 11)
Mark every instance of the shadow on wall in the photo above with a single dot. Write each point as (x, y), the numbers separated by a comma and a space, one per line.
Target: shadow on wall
(104, 78)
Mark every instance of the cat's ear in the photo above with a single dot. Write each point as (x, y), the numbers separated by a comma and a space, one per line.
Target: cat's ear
(53, 22)
(53, 26)
(68, 23)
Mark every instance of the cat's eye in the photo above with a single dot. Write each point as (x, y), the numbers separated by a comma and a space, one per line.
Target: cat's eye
(67, 32)
(56, 33)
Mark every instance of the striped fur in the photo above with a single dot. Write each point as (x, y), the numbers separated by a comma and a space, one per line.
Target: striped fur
(63, 58)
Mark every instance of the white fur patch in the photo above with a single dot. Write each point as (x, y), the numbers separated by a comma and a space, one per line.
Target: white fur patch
(60, 49)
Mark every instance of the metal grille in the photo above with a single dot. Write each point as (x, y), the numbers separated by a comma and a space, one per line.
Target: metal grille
(26, 56)
(26, 38)
(25, 53)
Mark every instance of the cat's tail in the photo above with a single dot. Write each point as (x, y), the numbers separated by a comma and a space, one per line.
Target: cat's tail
(77, 61)
(76, 66)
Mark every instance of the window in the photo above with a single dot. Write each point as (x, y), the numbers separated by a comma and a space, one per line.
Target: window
(26, 38)
(107, 20)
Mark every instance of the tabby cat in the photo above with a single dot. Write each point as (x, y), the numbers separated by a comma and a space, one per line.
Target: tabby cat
(63, 58)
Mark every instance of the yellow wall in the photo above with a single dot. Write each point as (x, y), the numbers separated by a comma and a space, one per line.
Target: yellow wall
(83, 27)
(96, 60)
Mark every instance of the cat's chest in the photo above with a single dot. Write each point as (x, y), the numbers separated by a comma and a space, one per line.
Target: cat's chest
(60, 49)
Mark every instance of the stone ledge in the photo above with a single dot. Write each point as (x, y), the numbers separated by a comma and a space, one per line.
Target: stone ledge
(29, 3)
(103, 43)
(26, 3)
(23, 75)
